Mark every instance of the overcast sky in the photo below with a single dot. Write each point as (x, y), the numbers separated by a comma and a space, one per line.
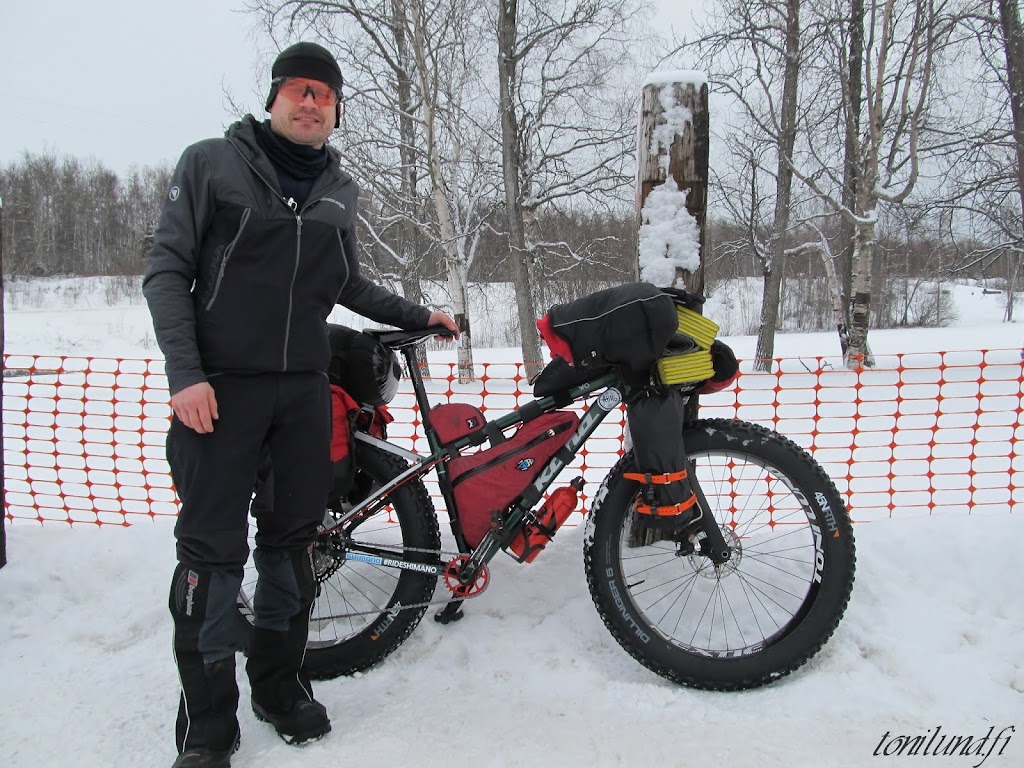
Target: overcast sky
(136, 81)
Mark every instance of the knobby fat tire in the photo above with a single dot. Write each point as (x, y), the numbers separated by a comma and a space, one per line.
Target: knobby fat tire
(785, 650)
(384, 633)
(381, 634)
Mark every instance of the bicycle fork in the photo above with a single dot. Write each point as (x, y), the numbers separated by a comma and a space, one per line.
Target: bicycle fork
(713, 543)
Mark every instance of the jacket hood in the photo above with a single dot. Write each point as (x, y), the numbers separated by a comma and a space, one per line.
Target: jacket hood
(243, 135)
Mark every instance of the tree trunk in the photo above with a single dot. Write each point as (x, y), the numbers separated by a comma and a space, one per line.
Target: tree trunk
(409, 263)
(851, 164)
(522, 272)
(857, 354)
(1013, 45)
(442, 208)
(839, 306)
(765, 349)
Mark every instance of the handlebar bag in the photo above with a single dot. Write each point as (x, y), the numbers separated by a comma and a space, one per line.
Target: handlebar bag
(558, 377)
(628, 326)
(487, 482)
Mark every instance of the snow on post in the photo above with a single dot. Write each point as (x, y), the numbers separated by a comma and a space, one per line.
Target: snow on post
(672, 178)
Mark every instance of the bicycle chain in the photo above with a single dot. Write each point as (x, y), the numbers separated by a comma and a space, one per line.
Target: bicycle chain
(398, 552)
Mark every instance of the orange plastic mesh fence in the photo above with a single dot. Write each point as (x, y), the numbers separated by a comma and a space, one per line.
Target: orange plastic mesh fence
(916, 434)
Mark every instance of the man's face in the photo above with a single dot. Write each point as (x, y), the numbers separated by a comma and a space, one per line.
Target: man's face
(303, 111)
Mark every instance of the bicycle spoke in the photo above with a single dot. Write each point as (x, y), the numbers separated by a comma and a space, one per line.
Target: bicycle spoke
(748, 599)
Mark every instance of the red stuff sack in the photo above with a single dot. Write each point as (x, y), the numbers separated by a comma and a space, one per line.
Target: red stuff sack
(343, 408)
(487, 482)
(727, 369)
(347, 418)
(454, 420)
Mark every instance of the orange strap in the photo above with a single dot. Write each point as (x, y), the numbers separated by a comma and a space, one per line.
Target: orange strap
(670, 511)
(647, 477)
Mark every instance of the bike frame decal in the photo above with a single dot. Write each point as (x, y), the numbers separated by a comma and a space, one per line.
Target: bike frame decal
(391, 562)
(608, 400)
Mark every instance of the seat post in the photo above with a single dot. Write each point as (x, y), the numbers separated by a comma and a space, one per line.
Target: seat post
(412, 363)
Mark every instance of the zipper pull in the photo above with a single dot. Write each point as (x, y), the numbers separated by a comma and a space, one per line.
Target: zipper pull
(290, 202)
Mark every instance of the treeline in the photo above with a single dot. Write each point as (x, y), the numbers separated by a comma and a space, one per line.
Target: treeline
(65, 216)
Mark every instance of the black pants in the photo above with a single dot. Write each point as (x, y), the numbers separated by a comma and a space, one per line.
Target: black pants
(285, 416)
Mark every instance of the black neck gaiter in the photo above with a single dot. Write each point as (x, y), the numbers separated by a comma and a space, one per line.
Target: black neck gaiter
(297, 165)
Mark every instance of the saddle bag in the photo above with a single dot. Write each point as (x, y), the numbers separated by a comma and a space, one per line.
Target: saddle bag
(347, 418)
(486, 483)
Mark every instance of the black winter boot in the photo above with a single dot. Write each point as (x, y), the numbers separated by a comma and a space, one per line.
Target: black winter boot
(206, 731)
(206, 758)
(281, 692)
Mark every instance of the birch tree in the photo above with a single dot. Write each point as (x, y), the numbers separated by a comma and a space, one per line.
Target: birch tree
(903, 41)
(566, 121)
(417, 75)
(756, 49)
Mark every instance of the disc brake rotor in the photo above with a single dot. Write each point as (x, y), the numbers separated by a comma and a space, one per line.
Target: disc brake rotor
(702, 565)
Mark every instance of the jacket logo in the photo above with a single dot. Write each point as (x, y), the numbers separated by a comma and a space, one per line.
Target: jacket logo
(173, 194)
(340, 205)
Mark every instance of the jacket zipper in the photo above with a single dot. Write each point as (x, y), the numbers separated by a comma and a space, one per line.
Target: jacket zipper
(298, 241)
(546, 435)
(344, 260)
(227, 255)
(291, 288)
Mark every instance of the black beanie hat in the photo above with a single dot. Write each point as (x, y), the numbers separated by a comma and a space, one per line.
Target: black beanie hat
(311, 61)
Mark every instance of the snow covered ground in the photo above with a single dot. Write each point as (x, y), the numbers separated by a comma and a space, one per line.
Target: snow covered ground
(930, 647)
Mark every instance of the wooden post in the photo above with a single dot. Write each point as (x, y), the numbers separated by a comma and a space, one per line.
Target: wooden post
(672, 152)
(685, 159)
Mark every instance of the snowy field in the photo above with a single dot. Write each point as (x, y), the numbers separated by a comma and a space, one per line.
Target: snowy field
(931, 645)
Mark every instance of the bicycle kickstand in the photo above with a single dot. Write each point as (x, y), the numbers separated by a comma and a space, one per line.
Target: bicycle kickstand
(451, 612)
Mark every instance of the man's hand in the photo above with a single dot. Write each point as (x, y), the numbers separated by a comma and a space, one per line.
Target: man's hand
(440, 318)
(196, 407)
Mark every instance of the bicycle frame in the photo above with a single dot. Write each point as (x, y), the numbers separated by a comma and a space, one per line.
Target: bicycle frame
(616, 392)
(421, 464)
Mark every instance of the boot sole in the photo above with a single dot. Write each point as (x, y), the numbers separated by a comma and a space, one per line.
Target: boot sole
(292, 739)
(222, 759)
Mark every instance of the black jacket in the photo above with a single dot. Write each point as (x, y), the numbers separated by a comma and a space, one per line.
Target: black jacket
(238, 281)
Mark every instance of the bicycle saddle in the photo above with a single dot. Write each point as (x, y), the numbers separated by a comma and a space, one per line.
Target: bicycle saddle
(398, 339)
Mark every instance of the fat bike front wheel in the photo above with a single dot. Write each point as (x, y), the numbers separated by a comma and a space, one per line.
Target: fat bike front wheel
(760, 615)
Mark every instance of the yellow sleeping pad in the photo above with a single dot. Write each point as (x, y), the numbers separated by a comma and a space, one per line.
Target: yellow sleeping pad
(686, 367)
(696, 326)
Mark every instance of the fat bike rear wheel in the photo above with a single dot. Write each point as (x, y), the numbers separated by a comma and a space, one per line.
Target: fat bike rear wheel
(360, 615)
(753, 619)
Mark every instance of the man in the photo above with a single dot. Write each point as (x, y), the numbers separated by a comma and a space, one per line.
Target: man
(255, 245)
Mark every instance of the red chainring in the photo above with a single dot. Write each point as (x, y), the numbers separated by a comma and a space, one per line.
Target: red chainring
(457, 588)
